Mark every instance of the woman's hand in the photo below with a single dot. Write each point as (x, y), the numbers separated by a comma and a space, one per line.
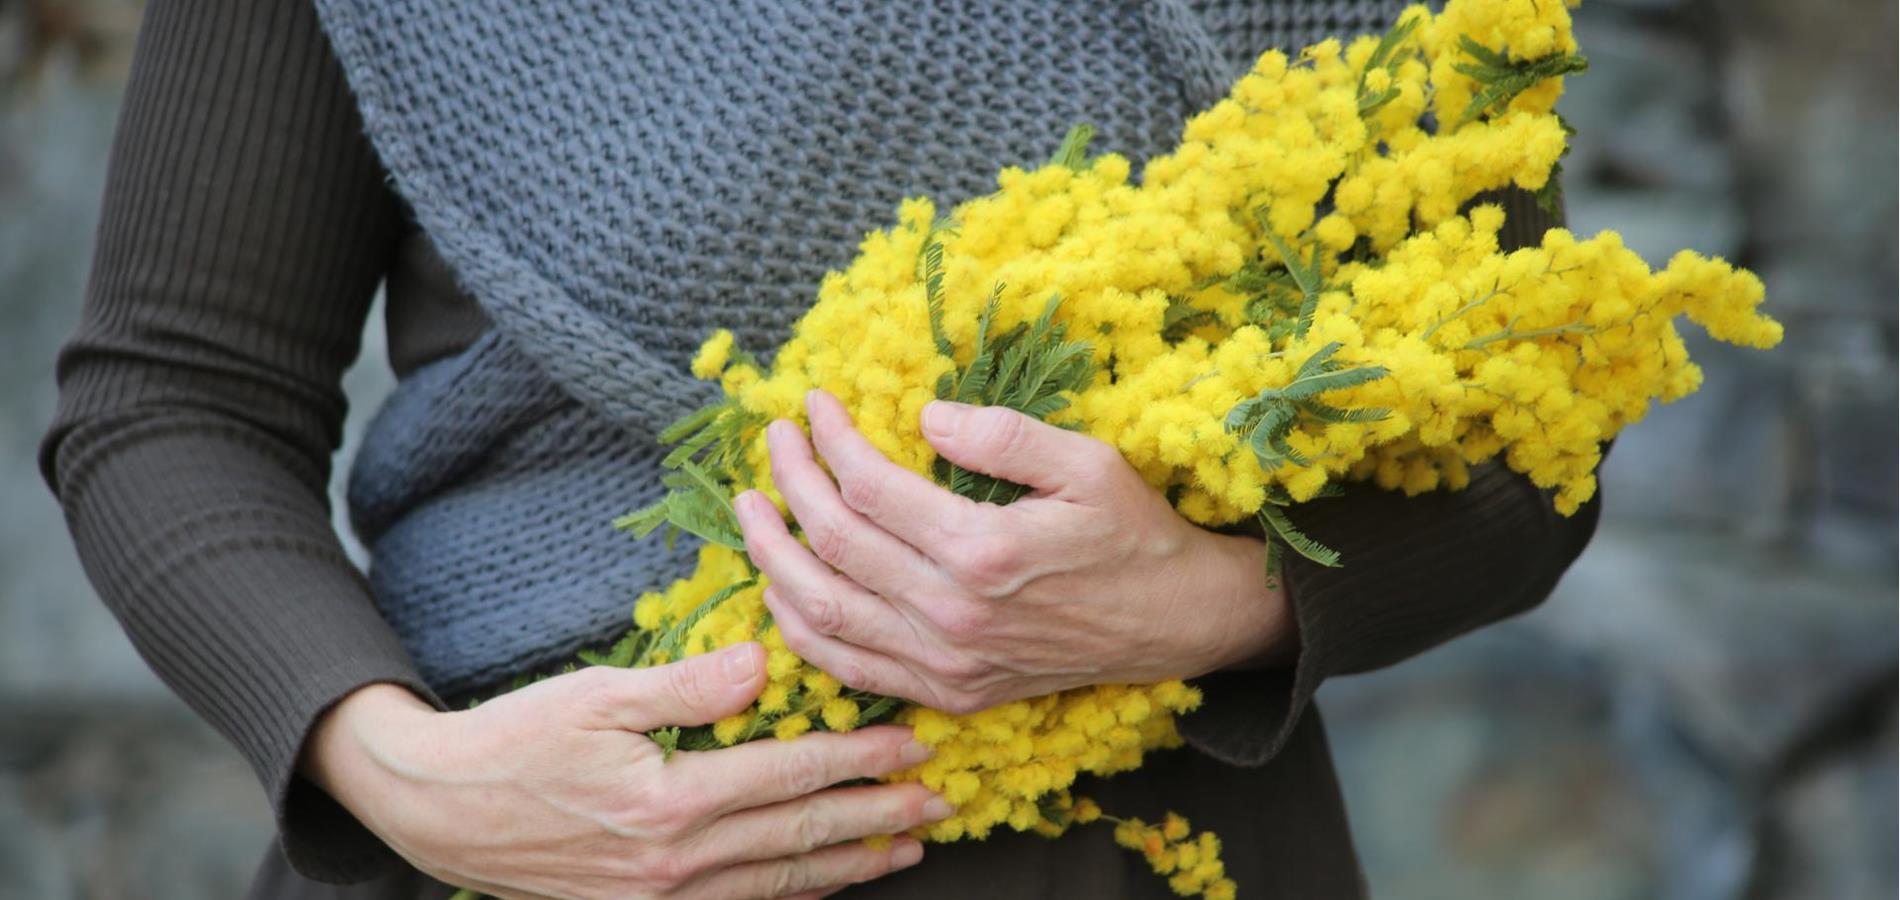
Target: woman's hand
(554, 790)
(910, 590)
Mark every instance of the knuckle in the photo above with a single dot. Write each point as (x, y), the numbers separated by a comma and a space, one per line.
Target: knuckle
(984, 564)
(965, 621)
(803, 772)
(687, 682)
(685, 810)
(665, 870)
(900, 807)
(998, 430)
(662, 812)
(861, 493)
(964, 703)
(595, 689)
(959, 671)
(828, 542)
(807, 830)
(794, 876)
(852, 674)
(825, 615)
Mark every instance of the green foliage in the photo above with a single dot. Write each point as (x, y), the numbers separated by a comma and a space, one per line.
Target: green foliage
(1181, 318)
(695, 503)
(933, 298)
(1075, 148)
(1273, 300)
(671, 644)
(1500, 79)
(880, 708)
(1385, 56)
(1031, 368)
(1550, 197)
(1269, 417)
(709, 448)
(668, 739)
(1306, 274)
(1274, 519)
(622, 653)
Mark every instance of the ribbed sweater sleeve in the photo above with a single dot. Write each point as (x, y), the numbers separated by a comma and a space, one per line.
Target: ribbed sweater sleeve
(1415, 572)
(244, 230)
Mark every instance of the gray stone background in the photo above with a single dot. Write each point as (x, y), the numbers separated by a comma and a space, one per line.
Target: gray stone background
(1705, 709)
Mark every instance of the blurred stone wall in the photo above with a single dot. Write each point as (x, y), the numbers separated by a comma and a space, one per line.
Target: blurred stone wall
(1704, 710)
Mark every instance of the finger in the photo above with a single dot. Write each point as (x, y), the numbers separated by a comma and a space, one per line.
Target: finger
(838, 533)
(797, 827)
(1004, 443)
(694, 691)
(831, 867)
(854, 665)
(905, 503)
(762, 773)
(832, 604)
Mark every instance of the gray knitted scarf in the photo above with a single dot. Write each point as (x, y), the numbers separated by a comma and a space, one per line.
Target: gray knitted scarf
(613, 180)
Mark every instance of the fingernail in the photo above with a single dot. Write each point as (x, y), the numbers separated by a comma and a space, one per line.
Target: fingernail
(740, 664)
(906, 852)
(811, 398)
(753, 505)
(913, 753)
(941, 417)
(777, 432)
(936, 809)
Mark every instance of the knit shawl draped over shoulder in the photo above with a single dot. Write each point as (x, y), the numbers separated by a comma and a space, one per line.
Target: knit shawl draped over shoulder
(611, 181)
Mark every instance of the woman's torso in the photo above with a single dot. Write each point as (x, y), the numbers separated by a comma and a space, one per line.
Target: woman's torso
(484, 496)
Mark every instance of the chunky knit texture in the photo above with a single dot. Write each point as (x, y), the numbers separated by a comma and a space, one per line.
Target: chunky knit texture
(614, 181)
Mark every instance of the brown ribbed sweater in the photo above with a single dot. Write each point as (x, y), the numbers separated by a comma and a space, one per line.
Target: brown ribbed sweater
(246, 225)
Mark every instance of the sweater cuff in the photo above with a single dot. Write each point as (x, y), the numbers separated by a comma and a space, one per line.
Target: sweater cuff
(1415, 572)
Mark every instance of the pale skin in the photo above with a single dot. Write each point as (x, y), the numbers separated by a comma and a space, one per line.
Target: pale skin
(906, 589)
(909, 590)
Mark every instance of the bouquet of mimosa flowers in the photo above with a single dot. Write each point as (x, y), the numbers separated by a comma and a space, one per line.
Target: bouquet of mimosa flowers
(1301, 294)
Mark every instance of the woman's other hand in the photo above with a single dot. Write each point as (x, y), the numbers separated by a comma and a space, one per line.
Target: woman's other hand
(555, 791)
(909, 590)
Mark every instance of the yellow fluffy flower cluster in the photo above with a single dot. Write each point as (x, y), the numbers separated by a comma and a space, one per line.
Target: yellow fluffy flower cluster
(1191, 862)
(997, 767)
(1296, 296)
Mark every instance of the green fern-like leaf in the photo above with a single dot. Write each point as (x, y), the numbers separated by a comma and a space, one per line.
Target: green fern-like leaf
(1275, 520)
(1306, 274)
(1500, 79)
(1031, 368)
(671, 643)
(933, 300)
(668, 739)
(1074, 152)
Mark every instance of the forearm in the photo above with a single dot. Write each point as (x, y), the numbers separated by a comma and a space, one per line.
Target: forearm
(219, 562)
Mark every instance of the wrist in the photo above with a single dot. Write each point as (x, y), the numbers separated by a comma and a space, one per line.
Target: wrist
(1258, 629)
(349, 754)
